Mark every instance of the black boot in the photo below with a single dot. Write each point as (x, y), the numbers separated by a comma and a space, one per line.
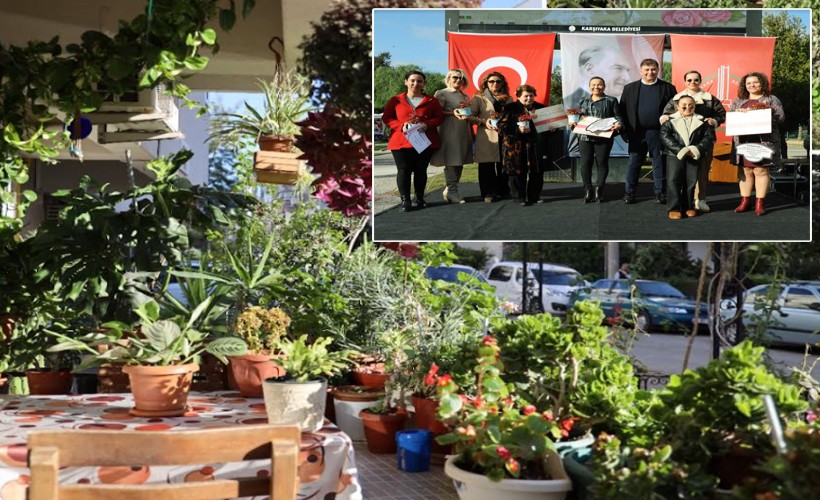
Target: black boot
(599, 194)
(406, 204)
(587, 194)
(420, 203)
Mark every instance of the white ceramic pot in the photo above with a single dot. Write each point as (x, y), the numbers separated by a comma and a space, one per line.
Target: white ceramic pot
(472, 486)
(292, 402)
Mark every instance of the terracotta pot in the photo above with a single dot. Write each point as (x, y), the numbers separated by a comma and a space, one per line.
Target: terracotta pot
(424, 417)
(212, 375)
(277, 143)
(371, 375)
(160, 391)
(112, 380)
(358, 393)
(47, 382)
(249, 370)
(380, 430)
(733, 467)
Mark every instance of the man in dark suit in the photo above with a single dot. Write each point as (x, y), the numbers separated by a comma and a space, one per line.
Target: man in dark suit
(642, 106)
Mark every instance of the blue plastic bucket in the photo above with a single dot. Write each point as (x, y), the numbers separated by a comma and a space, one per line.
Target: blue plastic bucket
(414, 450)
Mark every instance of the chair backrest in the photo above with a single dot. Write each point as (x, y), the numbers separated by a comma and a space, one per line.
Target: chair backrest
(50, 450)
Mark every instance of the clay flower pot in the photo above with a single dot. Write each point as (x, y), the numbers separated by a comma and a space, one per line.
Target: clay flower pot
(160, 391)
(380, 430)
(277, 143)
(249, 370)
(47, 382)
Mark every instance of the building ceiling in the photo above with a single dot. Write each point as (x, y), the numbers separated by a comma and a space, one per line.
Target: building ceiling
(244, 55)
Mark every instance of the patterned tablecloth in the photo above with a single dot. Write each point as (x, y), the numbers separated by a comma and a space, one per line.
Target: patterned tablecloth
(327, 467)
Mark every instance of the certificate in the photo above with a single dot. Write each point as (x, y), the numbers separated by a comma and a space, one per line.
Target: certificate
(595, 127)
(756, 121)
(417, 138)
(551, 117)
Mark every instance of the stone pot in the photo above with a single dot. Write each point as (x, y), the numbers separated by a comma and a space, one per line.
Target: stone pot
(291, 402)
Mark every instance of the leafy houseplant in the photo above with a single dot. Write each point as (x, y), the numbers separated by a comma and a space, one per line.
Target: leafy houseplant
(286, 101)
(494, 435)
(300, 396)
(159, 355)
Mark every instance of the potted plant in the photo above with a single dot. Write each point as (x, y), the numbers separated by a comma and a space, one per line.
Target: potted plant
(261, 329)
(502, 447)
(299, 397)
(286, 101)
(159, 355)
(381, 423)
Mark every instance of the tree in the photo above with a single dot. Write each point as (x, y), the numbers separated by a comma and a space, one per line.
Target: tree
(556, 87)
(381, 60)
(389, 81)
(791, 67)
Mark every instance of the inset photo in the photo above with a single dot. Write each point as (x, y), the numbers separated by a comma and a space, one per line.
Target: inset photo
(591, 125)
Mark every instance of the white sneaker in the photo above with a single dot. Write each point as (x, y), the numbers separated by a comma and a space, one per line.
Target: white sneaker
(444, 194)
(701, 206)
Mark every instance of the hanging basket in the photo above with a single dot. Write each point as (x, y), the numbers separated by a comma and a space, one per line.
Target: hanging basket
(277, 168)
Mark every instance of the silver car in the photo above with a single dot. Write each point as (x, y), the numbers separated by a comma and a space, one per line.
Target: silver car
(795, 312)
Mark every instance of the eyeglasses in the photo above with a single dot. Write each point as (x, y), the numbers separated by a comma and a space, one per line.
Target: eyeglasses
(457, 77)
(493, 81)
(690, 80)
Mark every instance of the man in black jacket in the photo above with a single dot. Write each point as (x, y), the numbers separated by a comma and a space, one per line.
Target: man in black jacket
(642, 106)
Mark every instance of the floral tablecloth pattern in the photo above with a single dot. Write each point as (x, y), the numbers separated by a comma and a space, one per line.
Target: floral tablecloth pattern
(327, 469)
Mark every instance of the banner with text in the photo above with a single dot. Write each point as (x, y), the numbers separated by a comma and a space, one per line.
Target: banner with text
(520, 58)
(722, 61)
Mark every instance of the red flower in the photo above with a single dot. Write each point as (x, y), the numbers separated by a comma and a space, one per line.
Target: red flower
(444, 380)
(525, 117)
(489, 340)
(407, 249)
(464, 104)
(513, 466)
(529, 410)
(566, 425)
(548, 416)
(430, 379)
(478, 403)
(715, 16)
(503, 452)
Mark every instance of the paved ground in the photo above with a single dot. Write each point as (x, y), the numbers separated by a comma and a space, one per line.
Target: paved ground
(384, 176)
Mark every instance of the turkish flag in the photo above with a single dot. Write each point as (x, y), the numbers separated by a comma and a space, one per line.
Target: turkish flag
(520, 58)
(722, 61)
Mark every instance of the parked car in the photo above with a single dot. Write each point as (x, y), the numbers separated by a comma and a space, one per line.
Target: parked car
(795, 317)
(559, 282)
(658, 305)
(450, 273)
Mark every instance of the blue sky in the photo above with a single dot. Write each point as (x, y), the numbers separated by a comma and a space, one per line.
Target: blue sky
(417, 37)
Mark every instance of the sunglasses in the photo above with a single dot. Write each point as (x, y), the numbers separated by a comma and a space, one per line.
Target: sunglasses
(456, 77)
(690, 80)
(493, 81)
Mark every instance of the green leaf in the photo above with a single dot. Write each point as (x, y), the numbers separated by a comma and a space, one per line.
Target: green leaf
(196, 63)
(162, 334)
(208, 36)
(449, 405)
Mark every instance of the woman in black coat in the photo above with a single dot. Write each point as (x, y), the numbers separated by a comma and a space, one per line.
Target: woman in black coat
(686, 137)
(524, 151)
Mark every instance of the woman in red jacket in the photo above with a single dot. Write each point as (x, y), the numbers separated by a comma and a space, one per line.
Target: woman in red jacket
(405, 111)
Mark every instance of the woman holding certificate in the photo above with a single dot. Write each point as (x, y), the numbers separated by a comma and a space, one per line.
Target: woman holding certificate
(524, 149)
(408, 113)
(753, 94)
(597, 148)
(685, 137)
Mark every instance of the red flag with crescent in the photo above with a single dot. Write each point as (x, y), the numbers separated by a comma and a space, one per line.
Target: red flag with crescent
(722, 61)
(520, 58)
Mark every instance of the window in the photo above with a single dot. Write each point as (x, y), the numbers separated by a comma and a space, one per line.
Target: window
(501, 273)
(800, 298)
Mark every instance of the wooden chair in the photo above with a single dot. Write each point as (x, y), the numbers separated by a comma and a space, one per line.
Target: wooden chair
(50, 450)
